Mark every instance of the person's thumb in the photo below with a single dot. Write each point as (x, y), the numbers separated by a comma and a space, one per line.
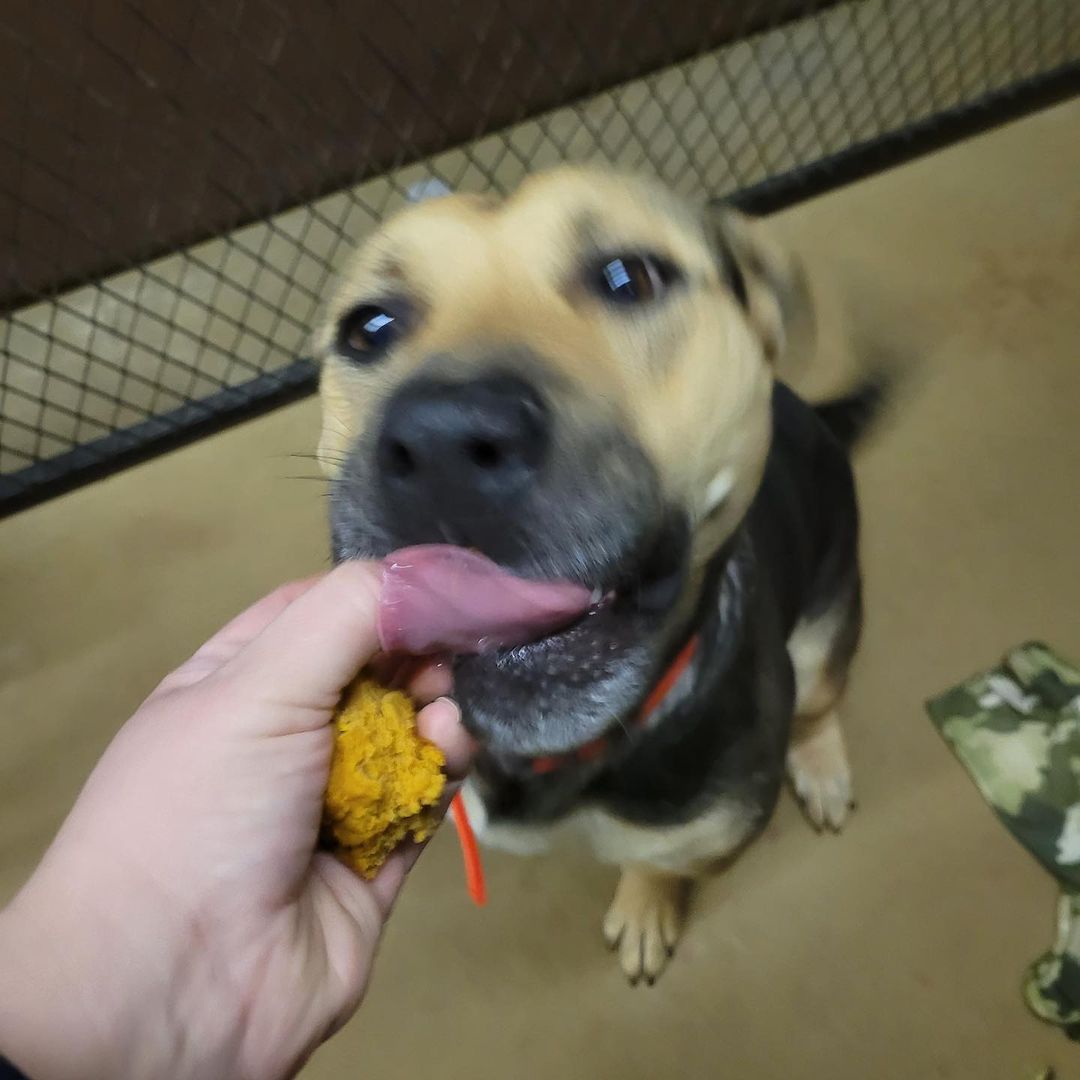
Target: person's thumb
(302, 661)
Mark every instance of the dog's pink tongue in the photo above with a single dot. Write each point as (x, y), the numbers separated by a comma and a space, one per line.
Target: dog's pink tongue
(440, 598)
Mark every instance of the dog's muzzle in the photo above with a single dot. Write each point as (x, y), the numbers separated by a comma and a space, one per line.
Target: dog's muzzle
(454, 460)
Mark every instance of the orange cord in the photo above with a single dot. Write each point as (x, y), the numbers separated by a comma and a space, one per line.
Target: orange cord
(470, 853)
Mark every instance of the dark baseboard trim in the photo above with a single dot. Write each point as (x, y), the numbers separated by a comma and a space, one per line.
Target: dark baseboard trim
(896, 147)
(157, 435)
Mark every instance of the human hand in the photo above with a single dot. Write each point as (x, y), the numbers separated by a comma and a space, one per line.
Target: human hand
(182, 924)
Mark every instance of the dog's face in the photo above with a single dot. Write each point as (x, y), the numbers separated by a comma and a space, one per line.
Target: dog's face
(575, 382)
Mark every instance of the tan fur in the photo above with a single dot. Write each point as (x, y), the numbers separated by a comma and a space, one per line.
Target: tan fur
(817, 759)
(684, 849)
(811, 647)
(645, 920)
(820, 699)
(818, 766)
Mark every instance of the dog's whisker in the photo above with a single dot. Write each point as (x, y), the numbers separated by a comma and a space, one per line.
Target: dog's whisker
(333, 459)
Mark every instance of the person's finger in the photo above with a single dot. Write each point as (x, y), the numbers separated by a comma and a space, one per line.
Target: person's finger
(236, 633)
(431, 679)
(359, 896)
(247, 625)
(395, 670)
(303, 660)
(364, 906)
(388, 881)
(424, 678)
(441, 723)
(392, 874)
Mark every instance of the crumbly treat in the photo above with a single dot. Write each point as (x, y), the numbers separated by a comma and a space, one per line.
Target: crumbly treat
(385, 778)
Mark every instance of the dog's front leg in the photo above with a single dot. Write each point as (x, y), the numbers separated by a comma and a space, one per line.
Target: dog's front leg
(645, 919)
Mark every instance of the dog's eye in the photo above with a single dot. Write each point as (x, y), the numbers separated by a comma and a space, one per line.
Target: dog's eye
(632, 279)
(368, 331)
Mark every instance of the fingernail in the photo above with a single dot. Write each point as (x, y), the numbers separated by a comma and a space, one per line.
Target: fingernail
(450, 703)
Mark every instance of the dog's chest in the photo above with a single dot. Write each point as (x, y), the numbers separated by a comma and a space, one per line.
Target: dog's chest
(718, 832)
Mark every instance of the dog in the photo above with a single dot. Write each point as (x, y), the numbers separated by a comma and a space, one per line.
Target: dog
(579, 381)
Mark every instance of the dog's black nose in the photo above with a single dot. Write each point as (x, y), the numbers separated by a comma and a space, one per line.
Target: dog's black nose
(451, 454)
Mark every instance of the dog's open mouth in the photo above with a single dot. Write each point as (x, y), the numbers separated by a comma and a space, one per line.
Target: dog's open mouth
(443, 598)
(542, 663)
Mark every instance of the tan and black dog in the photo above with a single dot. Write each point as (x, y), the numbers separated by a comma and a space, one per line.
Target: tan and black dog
(579, 382)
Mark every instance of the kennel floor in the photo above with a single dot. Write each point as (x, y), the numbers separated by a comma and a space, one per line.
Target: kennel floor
(892, 951)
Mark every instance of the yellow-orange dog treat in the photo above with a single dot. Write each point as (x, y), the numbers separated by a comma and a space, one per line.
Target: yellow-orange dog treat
(385, 778)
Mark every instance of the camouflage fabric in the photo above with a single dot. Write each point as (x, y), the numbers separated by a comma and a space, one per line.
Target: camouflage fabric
(1016, 729)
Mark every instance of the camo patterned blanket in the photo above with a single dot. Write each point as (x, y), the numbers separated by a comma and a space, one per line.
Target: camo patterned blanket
(1016, 729)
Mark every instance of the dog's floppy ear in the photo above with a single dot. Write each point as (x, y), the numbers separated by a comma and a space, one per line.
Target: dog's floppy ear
(765, 279)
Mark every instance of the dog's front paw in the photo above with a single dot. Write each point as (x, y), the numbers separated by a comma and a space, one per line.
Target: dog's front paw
(645, 921)
(818, 766)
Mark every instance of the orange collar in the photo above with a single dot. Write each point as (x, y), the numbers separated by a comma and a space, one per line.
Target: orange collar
(590, 751)
(596, 748)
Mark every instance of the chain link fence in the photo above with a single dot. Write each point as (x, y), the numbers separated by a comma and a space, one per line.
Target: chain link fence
(179, 181)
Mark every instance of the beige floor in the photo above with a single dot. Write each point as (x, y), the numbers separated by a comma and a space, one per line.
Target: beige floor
(893, 951)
